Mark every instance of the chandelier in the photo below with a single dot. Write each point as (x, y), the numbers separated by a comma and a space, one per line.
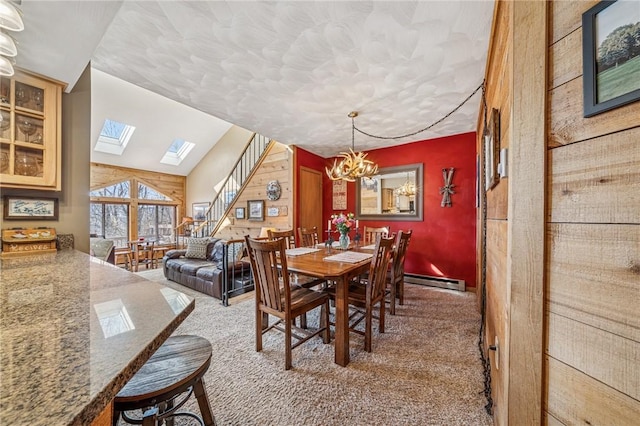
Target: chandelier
(407, 189)
(10, 20)
(352, 166)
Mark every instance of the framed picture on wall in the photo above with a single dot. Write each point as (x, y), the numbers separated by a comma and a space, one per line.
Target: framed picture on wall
(610, 56)
(240, 213)
(256, 209)
(30, 208)
(199, 211)
(492, 150)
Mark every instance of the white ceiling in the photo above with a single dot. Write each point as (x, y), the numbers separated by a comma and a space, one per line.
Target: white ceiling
(291, 71)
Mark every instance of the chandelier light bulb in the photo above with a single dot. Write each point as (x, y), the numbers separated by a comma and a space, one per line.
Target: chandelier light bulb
(6, 69)
(7, 45)
(10, 18)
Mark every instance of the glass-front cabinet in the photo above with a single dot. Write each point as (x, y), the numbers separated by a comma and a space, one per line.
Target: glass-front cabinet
(30, 127)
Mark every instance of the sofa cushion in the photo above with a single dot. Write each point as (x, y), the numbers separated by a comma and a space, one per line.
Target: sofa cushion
(218, 251)
(197, 248)
(191, 267)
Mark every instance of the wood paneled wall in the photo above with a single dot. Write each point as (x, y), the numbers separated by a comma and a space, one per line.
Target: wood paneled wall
(593, 241)
(278, 165)
(583, 304)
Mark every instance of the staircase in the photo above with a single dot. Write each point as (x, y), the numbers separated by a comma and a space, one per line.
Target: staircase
(251, 158)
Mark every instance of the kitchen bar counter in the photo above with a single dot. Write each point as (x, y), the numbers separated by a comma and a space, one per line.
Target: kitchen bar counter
(73, 331)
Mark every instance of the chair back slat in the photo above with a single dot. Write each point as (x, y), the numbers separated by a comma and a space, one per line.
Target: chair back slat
(269, 267)
(308, 236)
(289, 236)
(378, 269)
(372, 234)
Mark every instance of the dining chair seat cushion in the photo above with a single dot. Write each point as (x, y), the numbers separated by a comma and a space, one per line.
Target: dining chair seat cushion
(197, 248)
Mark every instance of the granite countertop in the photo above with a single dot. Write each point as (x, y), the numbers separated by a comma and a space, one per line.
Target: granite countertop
(73, 331)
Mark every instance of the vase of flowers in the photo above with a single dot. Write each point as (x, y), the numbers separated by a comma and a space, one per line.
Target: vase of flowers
(343, 223)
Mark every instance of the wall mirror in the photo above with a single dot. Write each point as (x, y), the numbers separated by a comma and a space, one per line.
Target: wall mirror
(395, 193)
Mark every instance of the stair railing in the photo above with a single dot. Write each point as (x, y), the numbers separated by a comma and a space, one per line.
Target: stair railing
(252, 156)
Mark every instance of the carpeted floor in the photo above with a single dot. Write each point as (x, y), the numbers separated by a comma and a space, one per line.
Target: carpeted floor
(424, 370)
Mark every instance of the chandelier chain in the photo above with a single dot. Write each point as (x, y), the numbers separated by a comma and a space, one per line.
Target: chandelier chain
(481, 86)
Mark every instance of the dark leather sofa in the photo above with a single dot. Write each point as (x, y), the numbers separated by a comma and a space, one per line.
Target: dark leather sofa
(222, 274)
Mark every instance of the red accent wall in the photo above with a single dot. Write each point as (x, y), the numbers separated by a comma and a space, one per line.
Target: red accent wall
(444, 243)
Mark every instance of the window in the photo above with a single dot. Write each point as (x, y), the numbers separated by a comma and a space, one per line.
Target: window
(111, 207)
(157, 223)
(177, 152)
(114, 137)
(110, 221)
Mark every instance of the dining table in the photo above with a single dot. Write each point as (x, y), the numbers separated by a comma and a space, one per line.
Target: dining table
(339, 266)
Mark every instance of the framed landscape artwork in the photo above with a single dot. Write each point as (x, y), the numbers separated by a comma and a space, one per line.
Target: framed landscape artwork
(240, 213)
(29, 208)
(256, 209)
(610, 55)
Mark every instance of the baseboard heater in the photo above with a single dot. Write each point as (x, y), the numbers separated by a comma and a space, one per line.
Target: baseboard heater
(443, 282)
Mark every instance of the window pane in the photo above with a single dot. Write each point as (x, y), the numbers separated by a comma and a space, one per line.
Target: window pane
(95, 219)
(119, 190)
(147, 222)
(146, 193)
(117, 223)
(166, 224)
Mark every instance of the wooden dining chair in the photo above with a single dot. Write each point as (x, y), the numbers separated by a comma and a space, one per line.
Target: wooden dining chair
(308, 236)
(289, 237)
(371, 234)
(395, 276)
(275, 296)
(365, 294)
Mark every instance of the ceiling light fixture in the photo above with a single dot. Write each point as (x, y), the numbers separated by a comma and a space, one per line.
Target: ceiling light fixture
(407, 189)
(11, 20)
(352, 166)
(10, 17)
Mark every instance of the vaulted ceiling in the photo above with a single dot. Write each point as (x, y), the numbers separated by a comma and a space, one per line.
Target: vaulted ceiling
(291, 71)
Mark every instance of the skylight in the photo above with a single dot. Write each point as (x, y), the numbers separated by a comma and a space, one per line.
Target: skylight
(177, 152)
(114, 137)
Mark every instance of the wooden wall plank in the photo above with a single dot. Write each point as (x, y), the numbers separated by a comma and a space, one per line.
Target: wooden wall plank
(609, 358)
(567, 124)
(551, 421)
(566, 16)
(598, 180)
(575, 398)
(594, 275)
(497, 306)
(525, 259)
(565, 59)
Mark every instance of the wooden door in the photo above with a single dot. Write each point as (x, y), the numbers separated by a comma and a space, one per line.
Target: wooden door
(310, 200)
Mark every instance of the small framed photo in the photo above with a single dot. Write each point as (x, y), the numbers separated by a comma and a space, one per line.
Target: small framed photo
(199, 211)
(30, 208)
(492, 150)
(610, 57)
(256, 209)
(240, 213)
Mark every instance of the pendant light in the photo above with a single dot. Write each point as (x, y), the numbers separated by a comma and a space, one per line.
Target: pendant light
(352, 166)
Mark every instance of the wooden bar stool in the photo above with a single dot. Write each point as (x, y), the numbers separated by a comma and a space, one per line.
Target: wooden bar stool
(177, 367)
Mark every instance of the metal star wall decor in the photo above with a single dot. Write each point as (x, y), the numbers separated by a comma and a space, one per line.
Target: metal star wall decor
(447, 189)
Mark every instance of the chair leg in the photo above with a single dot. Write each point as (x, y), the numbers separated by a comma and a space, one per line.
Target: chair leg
(401, 291)
(368, 329)
(303, 321)
(203, 403)
(258, 330)
(381, 320)
(287, 345)
(324, 316)
(392, 299)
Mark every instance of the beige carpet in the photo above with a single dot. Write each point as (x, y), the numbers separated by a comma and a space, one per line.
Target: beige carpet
(424, 370)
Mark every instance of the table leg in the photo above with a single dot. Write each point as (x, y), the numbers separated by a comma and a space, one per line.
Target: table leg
(342, 322)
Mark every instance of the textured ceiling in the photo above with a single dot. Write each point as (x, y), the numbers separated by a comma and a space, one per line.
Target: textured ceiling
(291, 71)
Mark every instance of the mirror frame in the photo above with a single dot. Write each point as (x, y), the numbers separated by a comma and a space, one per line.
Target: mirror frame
(418, 202)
